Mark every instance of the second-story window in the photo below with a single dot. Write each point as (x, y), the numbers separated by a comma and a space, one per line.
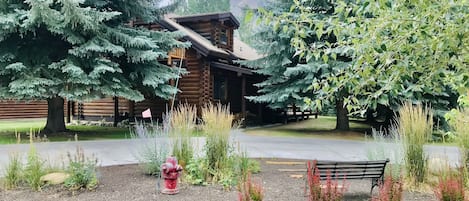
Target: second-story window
(224, 37)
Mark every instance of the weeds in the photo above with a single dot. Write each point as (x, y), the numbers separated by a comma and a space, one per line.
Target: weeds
(459, 122)
(13, 172)
(330, 191)
(82, 171)
(415, 127)
(251, 191)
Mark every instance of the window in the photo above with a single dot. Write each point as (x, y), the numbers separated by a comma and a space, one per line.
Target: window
(219, 88)
(223, 37)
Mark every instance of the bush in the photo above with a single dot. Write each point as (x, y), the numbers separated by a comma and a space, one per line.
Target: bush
(330, 191)
(415, 128)
(197, 171)
(459, 123)
(34, 169)
(13, 172)
(82, 171)
(450, 186)
(251, 191)
(152, 148)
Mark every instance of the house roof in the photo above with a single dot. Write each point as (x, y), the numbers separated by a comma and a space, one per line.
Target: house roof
(226, 17)
(241, 50)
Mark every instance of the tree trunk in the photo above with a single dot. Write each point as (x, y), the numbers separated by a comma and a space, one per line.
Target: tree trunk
(342, 122)
(55, 116)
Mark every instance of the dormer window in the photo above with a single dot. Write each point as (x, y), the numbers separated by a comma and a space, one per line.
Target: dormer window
(223, 37)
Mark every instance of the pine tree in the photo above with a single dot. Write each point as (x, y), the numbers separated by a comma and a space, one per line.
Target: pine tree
(290, 77)
(82, 50)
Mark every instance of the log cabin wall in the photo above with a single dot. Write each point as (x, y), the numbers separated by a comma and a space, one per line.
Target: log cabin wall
(10, 109)
(99, 109)
(190, 84)
(213, 31)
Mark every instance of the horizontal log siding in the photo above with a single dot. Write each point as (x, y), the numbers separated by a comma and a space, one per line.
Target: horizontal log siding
(190, 83)
(202, 28)
(22, 109)
(102, 108)
(157, 106)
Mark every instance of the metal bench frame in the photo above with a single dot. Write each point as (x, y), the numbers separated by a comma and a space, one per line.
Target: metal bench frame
(340, 170)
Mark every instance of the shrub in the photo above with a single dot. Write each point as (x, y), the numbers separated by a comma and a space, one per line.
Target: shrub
(251, 191)
(330, 191)
(450, 186)
(197, 171)
(34, 169)
(183, 122)
(152, 148)
(415, 127)
(82, 171)
(390, 190)
(217, 122)
(13, 172)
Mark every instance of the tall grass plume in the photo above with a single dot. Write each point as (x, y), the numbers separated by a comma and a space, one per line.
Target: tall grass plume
(183, 124)
(415, 123)
(217, 124)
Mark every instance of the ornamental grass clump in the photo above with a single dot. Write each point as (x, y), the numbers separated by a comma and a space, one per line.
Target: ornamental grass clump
(183, 124)
(13, 172)
(34, 169)
(415, 128)
(217, 124)
(152, 148)
(459, 123)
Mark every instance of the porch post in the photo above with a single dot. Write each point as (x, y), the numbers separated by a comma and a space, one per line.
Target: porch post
(243, 98)
(116, 110)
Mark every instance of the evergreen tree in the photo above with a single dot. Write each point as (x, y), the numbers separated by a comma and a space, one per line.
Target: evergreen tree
(189, 7)
(289, 74)
(82, 50)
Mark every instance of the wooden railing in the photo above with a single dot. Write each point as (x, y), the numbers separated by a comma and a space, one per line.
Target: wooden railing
(293, 113)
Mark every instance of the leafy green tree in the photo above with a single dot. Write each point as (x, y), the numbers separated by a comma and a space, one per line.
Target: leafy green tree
(81, 50)
(289, 74)
(400, 50)
(189, 7)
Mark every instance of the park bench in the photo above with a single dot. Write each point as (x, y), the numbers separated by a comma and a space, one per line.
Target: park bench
(340, 170)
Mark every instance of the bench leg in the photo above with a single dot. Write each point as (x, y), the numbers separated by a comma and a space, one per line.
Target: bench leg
(376, 182)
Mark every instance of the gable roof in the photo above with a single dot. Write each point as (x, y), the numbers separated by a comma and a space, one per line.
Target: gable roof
(226, 17)
(241, 51)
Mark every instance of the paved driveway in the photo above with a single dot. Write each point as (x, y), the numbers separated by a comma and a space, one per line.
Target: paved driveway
(112, 152)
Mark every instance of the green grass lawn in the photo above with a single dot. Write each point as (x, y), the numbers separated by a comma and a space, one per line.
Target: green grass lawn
(23, 126)
(322, 127)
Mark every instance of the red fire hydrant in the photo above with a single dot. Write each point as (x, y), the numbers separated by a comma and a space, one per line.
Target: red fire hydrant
(170, 171)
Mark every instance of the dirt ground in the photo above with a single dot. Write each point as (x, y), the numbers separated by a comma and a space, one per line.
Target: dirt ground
(126, 183)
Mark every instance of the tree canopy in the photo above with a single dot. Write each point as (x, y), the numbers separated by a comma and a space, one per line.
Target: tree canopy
(399, 50)
(290, 76)
(82, 50)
